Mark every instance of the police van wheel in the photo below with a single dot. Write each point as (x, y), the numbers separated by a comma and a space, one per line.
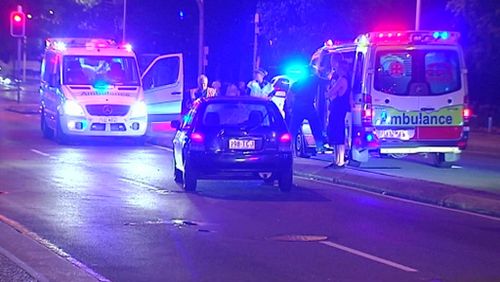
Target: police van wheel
(59, 135)
(440, 161)
(47, 132)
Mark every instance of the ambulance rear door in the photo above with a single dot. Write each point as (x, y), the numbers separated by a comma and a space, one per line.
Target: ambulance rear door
(163, 84)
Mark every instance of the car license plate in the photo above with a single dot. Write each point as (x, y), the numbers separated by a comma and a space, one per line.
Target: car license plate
(401, 134)
(241, 144)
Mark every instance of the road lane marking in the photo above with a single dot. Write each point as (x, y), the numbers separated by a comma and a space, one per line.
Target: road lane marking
(400, 199)
(144, 185)
(368, 256)
(163, 148)
(40, 153)
(55, 249)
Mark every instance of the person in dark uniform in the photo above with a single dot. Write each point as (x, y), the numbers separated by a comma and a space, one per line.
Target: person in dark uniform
(339, 95)
(302, 96)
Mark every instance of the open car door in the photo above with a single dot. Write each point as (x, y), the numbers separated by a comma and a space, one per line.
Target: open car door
(163, 83)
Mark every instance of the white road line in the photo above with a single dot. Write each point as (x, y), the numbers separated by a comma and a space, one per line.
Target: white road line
(163, 148)
(40, 153)
(144, 185)
(55, 249)
(368, 256)
(403, 200)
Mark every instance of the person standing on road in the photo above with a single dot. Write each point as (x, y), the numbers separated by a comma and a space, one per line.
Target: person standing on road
(339, 93)
(302, 96)
(259, 87)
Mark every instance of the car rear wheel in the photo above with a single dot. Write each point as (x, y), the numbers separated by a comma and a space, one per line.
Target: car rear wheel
(177, 173)
(47, 132)
(285, 181)
(190, 180)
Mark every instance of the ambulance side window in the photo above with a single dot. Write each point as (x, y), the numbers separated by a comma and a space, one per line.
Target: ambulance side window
(358, 74)
(163, 72)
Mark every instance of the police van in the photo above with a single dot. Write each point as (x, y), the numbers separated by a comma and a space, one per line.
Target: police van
(409, 93)
(92, 87)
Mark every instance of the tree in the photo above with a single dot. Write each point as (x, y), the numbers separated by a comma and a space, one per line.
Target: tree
(480, 22)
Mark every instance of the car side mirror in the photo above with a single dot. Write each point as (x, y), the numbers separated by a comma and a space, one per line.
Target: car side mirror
(176, 124)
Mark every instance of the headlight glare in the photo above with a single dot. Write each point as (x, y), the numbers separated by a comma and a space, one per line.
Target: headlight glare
(72, 108)
(138, 109)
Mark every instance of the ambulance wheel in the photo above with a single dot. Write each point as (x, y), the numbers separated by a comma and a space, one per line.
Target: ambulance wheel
(300, 146)
(47, 132)
(351, 161)
(439, 160)
(59, 135)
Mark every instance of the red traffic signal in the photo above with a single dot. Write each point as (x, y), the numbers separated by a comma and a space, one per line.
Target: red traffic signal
(17, 24)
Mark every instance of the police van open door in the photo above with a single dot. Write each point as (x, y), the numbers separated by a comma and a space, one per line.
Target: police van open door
(163, 83)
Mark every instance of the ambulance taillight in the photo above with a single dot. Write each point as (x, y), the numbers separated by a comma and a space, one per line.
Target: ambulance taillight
(367, 113)
(466, 112)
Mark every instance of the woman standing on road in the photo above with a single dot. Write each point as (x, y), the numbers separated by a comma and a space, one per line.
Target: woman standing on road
(338, 93)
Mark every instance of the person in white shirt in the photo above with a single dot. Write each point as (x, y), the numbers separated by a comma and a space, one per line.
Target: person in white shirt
(259, 87)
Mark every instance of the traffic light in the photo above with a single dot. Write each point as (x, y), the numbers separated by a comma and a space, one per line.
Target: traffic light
(17, 24)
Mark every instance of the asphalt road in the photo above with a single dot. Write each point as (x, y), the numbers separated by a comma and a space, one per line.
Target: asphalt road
(114, 207)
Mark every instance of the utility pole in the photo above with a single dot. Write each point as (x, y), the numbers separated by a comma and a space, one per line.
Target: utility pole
(201, 44)
(256, 40)
(417, 15)
(124, 23)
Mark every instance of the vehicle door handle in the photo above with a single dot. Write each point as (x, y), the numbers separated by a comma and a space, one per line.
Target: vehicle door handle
(176, 93)
(427, 109)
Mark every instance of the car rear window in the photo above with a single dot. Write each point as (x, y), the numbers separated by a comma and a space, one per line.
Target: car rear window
(237, 114)
(397, 70)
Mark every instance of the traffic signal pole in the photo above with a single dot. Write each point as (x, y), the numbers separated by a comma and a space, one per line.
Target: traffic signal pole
(201, 44)
(18, 70)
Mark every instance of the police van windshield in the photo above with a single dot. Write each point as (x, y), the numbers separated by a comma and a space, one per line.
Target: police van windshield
(400, 72)
(90, 70)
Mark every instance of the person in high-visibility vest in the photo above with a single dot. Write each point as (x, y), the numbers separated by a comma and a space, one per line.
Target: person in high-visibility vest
(259, 87)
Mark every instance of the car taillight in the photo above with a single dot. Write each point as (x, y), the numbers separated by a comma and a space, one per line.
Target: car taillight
(197, 142)
(285, 142)
(197, 137)
(286, 138)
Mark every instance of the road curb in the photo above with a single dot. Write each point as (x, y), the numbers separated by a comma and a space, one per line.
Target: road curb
(39, 258)
(486, 203)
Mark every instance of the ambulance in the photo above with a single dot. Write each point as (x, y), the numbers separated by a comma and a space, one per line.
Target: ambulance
(92, 87)
(409, 94)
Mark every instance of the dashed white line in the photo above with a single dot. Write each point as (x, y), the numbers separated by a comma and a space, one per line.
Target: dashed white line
(144, 185)
(40, 153)
(369, 256)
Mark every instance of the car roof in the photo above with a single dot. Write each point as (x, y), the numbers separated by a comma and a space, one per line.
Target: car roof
(236, 99)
